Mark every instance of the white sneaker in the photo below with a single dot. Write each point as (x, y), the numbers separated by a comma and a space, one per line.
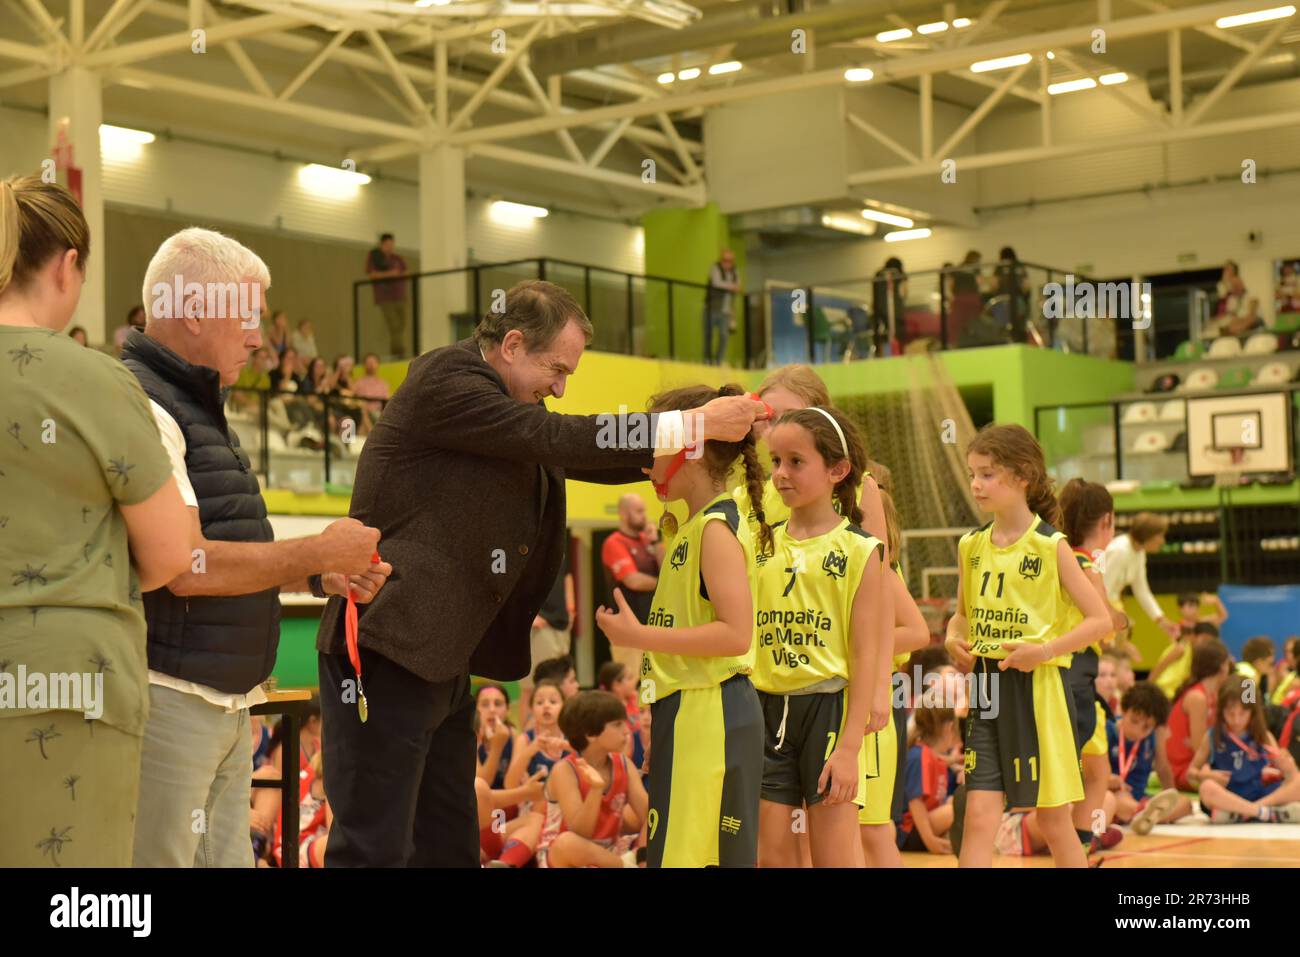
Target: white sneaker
(1155, 811)
(1287, 813)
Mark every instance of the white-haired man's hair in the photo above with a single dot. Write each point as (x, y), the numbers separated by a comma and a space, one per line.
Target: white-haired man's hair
(201, 256)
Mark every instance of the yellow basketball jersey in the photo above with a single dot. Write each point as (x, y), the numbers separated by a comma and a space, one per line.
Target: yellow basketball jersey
(803, 602)
(1172, 678)
(774, 508)
(1073, 615)
(682, 601)
(899, 659)
(1012, 593)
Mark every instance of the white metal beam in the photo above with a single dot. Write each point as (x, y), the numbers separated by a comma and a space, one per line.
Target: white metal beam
(413, 98)
(1213, 32)
(492, 82)
(108, 29)
(1115, 91)
(535, 88)
(882, 137)
(77, 23)
(1045, 112)
(365, 61)
(1109, 144)
(927, 115)
(440, 82)
(24, 52)
(664, 163)
(107, 20)
(981, 111)
(378, 89)
(331, 119)
(26, 74)
(246, 67)
(982, 22)
(1237, 72)
(1176, 76)
(886, 71)
(181, 42)
(693, 173)
(37, 10)
(608, 142)
(691, 194)
(316, 63)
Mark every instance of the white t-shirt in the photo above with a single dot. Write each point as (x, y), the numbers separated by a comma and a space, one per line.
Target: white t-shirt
(1126, 566)
(174, 442)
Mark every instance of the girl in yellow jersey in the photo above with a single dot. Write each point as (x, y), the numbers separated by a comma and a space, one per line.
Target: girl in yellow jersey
(1015, 575)
(882, 754)
(706, 737)
(1088, 521)
(817, 601)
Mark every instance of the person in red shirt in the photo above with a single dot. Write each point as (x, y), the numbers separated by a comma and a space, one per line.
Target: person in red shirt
(632, 555)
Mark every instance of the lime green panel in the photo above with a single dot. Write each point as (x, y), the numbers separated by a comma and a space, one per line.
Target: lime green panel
(295, 663)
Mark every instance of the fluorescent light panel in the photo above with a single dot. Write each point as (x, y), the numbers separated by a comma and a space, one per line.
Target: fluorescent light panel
(1001, 63)
(1071, 86)
(889, 36)
(689, 73)
(1258, 16)
(731, 66)
(847, 224)
(516, 214)
(889, 219)
(903, 235)
(858, 74)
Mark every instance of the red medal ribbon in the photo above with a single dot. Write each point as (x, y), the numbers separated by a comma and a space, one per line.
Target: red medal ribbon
(1126, 761)
(350, 628)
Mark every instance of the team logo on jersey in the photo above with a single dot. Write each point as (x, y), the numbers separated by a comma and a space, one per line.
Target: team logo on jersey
(835, 564)
(760, 558)
(679, 554)
(1031, 566)
(969, 762)
(974, 561)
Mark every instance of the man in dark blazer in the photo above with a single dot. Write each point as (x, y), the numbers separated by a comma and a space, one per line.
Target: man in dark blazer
(464, 477)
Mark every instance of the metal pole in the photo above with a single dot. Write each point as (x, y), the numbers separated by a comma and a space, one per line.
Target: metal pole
(631, 325)
(325, 432)
(808, 326)
(356, 320)
(672, 348)
(1119, 451)
(415, 317)
(263, 403)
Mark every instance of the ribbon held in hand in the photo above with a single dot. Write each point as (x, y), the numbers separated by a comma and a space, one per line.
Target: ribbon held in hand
(350, 628)
(769, 413)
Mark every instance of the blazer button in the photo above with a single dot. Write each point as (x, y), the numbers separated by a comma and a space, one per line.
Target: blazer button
(523, 549)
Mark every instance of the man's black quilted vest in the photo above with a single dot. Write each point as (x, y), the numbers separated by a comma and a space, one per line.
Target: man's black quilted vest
(226, 643)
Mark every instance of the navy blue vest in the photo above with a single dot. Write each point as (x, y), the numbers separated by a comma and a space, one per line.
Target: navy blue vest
(226, 643)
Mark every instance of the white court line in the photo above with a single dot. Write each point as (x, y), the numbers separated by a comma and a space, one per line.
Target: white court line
(1239, 858)
(1246, 831)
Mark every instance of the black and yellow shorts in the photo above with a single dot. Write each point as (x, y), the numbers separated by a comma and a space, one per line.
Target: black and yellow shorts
(1023, 744)
(880, 753)
(706, 767)
(1081, 679)
(800, 732)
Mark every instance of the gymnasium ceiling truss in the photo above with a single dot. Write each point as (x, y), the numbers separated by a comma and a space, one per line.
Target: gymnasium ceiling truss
(400, 52)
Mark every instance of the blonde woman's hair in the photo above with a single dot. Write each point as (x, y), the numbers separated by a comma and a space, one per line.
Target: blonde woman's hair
(38, 221)
(802, 381)
(201, 256)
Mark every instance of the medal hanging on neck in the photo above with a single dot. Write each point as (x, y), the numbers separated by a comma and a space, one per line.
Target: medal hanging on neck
(350, 628)
(668, 521)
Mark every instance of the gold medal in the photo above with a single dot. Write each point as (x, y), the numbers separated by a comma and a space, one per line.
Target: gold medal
(668, 524)
(362, 708)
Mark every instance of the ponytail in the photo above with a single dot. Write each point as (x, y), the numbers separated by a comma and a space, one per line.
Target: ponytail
(8, 234)
(38, 221)
(754, 485)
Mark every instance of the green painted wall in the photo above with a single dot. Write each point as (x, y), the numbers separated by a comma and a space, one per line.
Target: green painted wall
(683, 244)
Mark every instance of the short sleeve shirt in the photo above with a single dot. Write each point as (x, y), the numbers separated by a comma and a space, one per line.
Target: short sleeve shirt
(77, 442)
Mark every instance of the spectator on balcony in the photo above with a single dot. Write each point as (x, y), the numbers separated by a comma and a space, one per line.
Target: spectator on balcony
(965, 302)
(723, 285)
(1010, 279)
(318, 380)
(342, 373)
(1287, 295)
(888, 296)
(370, 386)
(135, 319)
(277, 336)
(304, 341)
(287, 377)
(1237, 312)
(257, 374)
(383, 262)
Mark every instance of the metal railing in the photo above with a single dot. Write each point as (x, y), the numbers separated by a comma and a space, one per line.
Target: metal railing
(632, 314)
(302, 442)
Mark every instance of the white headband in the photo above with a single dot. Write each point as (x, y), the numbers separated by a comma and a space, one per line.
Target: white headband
(844, 446)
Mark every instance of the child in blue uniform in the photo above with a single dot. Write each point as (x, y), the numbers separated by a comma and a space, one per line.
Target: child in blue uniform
(1242, 773)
